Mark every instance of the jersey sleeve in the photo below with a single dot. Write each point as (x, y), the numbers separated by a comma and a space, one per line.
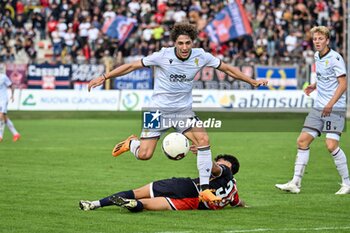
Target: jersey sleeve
(235, 201)
(211, 61)
(339, 66)
(225, 170)
(153, 59)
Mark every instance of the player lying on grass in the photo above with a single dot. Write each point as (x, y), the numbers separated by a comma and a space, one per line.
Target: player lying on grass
(178, 193)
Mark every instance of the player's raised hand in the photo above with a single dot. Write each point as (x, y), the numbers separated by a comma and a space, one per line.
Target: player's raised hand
(96, 82)
(260, 82)
(309, 89)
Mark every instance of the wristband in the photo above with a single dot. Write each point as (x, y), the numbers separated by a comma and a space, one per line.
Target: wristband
(104, 76)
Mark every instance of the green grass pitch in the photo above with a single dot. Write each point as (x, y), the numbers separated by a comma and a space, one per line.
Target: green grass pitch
(63, 157)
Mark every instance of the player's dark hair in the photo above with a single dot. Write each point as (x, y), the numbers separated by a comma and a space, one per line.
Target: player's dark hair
(232, 159)
(183, 29)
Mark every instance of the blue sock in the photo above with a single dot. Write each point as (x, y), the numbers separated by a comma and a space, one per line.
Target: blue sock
(126, 194)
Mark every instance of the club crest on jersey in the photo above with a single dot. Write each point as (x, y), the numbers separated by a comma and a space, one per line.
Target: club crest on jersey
(196, 61)
(327, 62)
(170, 61)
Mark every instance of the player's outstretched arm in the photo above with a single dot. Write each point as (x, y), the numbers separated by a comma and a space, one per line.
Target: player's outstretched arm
(119, 71)
(237, 74)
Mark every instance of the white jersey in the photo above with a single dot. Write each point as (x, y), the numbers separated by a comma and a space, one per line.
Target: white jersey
(328, 69)
(5, 82)
(173, 77)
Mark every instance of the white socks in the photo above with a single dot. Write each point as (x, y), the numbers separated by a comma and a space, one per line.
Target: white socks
(2, 128)
(134, 147)
(204, 164)
(11, 126)
(341, 164)
(300, 164)
(339, 161)
(97, 204)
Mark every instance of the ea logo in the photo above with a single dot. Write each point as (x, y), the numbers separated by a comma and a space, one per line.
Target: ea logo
(227, 101)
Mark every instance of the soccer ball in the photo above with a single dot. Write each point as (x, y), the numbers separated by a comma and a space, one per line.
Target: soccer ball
(175, 146)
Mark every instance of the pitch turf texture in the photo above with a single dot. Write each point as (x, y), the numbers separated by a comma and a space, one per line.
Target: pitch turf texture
(63, 157)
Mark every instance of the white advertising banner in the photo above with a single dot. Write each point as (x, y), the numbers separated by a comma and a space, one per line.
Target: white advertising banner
(246, 99)
(69, 100)
(16, 100)
(223, 100)
(134, 100)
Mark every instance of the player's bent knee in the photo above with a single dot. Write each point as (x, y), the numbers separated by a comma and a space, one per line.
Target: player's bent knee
(144, 155)
(303, 142)
(203, 140)
(331, 145)
(305, 139)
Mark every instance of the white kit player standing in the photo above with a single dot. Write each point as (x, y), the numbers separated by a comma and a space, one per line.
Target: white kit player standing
(327, 116)
(5, 83)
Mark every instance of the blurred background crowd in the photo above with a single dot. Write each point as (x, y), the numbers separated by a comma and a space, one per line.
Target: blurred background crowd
(71, 31)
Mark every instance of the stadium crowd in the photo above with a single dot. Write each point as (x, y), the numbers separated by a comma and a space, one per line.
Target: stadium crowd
(74, 28)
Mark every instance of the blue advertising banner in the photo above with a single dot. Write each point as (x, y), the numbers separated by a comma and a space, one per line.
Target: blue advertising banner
(138, 79)
(47, 76)
(82, 74)
(280, 78)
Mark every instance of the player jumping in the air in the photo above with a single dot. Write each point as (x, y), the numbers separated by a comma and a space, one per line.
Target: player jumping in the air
(174, 71)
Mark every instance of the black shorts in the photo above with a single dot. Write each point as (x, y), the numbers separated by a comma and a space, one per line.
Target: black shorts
(174, 188)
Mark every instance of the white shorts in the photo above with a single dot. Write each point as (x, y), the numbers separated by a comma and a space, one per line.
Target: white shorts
(3, 106)
(333, 124)
(177, 120)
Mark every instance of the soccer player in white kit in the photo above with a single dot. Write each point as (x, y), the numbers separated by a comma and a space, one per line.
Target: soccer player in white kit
(174, 71)
(328, 114)
(5, 82)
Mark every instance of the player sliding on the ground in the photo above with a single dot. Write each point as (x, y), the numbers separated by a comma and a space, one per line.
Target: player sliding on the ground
(174, 71)
(178, 193)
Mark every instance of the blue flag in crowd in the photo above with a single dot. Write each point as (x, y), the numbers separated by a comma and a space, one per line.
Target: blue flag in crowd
(121, 28)
(231, 22)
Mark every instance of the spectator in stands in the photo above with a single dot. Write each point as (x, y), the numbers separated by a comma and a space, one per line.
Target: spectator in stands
(93, 33)
(291, 42)
(39, 24)
(69, 39)
(84, 30)
(56, 43)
